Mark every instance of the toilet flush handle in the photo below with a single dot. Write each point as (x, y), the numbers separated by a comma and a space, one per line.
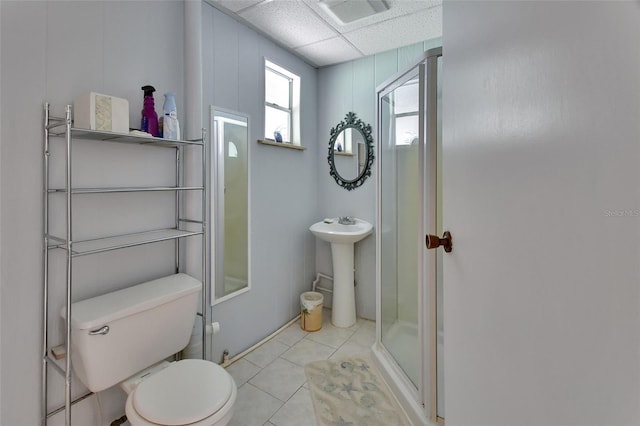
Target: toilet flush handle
(433, 241)
(101, 331)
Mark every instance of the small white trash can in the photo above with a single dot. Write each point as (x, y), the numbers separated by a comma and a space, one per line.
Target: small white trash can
(311, 311)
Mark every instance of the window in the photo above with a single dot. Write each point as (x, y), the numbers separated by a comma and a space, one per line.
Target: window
(281, 104)
(344, 142)
(233, 150)
(406, 113)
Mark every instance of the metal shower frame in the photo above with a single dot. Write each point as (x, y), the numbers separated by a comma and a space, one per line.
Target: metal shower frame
(420, 399)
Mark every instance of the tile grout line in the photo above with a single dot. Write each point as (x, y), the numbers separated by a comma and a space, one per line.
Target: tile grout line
(302, 385)
(343, 342)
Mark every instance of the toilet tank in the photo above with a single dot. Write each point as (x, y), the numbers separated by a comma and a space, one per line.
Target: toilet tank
(115, 335)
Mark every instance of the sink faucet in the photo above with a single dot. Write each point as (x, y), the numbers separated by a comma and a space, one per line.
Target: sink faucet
(346, 220)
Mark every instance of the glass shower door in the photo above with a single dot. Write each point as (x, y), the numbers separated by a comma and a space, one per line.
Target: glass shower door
(400, 220)
(410, 276)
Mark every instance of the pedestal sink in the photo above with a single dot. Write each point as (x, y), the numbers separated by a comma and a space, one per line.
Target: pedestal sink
(342, 239)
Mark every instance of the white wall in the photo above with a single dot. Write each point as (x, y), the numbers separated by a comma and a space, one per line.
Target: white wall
(55, 51)
(541, 190)
(351, 86)
(284, 200)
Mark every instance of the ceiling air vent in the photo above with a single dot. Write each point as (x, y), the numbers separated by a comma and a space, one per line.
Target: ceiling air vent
(347, 11)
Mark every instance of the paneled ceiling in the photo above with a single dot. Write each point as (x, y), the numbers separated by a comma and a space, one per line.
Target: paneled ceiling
(310, 29)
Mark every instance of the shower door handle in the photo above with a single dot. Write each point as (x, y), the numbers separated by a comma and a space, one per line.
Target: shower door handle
(433, 241)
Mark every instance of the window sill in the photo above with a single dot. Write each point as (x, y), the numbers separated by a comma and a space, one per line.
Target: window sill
(281, 144)
(348, 154)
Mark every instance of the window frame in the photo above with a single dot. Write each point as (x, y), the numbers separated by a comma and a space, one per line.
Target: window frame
(294, 102)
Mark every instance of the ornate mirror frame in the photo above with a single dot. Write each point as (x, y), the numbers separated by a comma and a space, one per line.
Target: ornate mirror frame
(352, 121)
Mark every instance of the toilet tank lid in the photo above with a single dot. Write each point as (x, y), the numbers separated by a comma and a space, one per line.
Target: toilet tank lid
(100, 310)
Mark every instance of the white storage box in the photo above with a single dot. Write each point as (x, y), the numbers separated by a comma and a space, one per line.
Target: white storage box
(96, 111)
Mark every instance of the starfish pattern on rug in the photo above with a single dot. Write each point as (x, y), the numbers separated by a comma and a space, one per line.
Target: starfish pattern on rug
(351, 392)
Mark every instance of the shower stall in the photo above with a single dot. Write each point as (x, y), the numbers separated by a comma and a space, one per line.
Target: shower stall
(410, 330)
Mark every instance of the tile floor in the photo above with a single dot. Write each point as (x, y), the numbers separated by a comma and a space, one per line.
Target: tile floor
(271, 382)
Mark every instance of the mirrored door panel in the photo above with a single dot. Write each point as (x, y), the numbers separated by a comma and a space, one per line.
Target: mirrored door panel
(230, 204)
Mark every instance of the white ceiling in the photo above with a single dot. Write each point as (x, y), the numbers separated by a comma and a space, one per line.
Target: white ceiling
(306, 28)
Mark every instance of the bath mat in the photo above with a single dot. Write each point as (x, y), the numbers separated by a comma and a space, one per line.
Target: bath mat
(351, 392)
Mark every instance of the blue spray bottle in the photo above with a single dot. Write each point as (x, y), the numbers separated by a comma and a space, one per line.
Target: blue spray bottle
(170, 124)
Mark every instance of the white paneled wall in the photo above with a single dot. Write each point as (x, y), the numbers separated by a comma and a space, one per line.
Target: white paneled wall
(351, 86)
(284, 201)
(55, 51)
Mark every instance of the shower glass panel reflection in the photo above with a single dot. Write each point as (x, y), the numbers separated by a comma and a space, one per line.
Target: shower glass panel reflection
(411, 333)
(400, 216)
(229, 207)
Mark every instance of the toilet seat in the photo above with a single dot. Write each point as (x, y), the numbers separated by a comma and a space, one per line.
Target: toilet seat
(190, 392)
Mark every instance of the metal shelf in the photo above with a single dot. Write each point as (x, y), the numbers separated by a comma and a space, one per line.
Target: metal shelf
(63, 128)
(100, 245)
(126, 189)
(99, 135)
(58, 364)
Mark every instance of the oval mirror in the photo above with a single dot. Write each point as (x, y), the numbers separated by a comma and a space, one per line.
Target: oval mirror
(350, 152)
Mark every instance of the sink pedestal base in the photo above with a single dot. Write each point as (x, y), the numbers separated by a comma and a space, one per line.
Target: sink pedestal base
(343, 313)
(342, 238)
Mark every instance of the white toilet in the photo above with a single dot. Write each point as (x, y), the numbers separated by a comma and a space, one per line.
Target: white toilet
(124, 337)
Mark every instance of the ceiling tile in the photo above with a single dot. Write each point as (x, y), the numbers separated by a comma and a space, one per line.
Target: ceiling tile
(402, 31)
(328, 52)
(290, 22)
(235, 5)
(307, 29)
